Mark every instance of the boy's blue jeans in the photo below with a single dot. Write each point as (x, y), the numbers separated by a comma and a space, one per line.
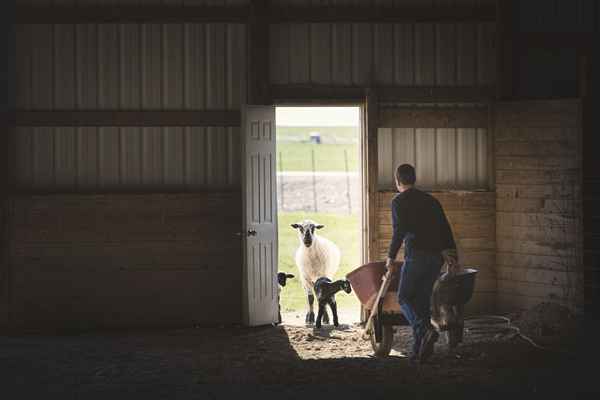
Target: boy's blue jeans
(417, 276)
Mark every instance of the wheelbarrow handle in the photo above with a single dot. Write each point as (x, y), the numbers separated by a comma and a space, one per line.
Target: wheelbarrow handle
(382, 290)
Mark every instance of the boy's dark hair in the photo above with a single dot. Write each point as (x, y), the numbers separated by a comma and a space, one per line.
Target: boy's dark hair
(405, 174)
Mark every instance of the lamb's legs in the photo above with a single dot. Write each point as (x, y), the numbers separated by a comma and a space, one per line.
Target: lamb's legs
(322, 310)
(333, 306)
(310, 315)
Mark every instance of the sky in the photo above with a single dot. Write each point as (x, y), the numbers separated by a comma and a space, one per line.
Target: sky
(317, 116)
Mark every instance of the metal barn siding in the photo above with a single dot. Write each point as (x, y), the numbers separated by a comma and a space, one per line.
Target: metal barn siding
(131, 66)
(554, 15)
(420, 54)
(127, 158)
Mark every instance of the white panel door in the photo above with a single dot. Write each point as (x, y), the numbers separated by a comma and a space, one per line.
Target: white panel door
(260, 215)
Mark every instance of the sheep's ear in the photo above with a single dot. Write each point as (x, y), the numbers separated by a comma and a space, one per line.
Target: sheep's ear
(289, 276)
(295, 226)
(319, 226)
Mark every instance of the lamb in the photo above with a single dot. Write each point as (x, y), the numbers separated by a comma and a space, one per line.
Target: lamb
(316, 257)
(325, 291)
(282, 278)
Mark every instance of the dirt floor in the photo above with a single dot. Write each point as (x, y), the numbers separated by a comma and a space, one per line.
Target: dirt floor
(286, 361)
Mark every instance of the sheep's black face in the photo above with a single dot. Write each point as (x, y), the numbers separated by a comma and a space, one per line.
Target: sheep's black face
(306, 231)
(346, 286)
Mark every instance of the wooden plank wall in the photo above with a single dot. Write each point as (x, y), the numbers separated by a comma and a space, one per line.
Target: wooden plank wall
(538, 203)
(83, 261)
(472, 216)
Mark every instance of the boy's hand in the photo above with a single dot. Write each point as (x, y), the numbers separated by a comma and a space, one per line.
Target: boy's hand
(391, 266)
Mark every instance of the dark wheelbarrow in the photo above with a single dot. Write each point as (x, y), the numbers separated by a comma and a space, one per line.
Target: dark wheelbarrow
(450, 296)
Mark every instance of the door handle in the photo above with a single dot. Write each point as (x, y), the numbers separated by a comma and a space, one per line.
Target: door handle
(251, 232)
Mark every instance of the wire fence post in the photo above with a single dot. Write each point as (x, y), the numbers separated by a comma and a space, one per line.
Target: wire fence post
(280, 177)
(314, 180)
(347, 181)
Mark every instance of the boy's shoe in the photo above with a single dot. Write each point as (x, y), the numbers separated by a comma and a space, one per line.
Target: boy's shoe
(426, 350)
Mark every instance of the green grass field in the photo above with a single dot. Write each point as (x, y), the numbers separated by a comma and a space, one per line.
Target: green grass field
(294, 151)
(344, 230)
(328, 157)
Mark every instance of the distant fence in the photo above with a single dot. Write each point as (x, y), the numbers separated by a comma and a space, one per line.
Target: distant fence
(318, 191)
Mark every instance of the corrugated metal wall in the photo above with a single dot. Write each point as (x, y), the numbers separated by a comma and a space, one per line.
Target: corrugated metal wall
(129, 67)
(109, 158)
(421, 54)
(444, 158)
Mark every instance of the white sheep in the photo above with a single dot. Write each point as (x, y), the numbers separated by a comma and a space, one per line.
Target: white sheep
(316, 257)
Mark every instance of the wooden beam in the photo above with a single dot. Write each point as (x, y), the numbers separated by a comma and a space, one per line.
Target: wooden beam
(434, 118)
(241, 14)
(383, 14)
(371, 173)
(127, 118)
(392, 94)
(258, 53)
(128, 14)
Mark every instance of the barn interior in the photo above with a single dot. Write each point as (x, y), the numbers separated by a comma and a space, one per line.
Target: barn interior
(125, 185)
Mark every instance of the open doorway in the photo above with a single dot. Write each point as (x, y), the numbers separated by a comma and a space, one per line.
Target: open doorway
(319, 178)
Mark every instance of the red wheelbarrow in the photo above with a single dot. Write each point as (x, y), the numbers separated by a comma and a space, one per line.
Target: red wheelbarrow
(452, 293)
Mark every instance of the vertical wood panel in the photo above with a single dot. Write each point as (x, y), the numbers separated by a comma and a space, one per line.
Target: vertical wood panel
(404, 54)
(446, 158)
(299, 53)
(64, 66)
(24, 156)
(42, 62)
(466, 35)
(87, 66)
(467, 157)
(152, 156)
(131, 67)
(320, 58)
(486, 54)
(445, 59)
(108, 60)
(234, 157)
(195, 156)
(109, 160)
(362, 54)
(173, 67)
(384, 54)
(152, 67)
(87, 157)
(65, 157)
(279, 48)
(131, 156)
(174, 156)
(424, 54)
(195, 66)
(236, 79)
(342, 54)
(404, 146)
(24, 48)
(215, 45)
(43, 157)
(482, 158)
(425, 158)
(385, 157)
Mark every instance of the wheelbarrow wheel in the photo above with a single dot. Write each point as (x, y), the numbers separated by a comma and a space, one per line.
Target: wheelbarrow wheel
(383, 348)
